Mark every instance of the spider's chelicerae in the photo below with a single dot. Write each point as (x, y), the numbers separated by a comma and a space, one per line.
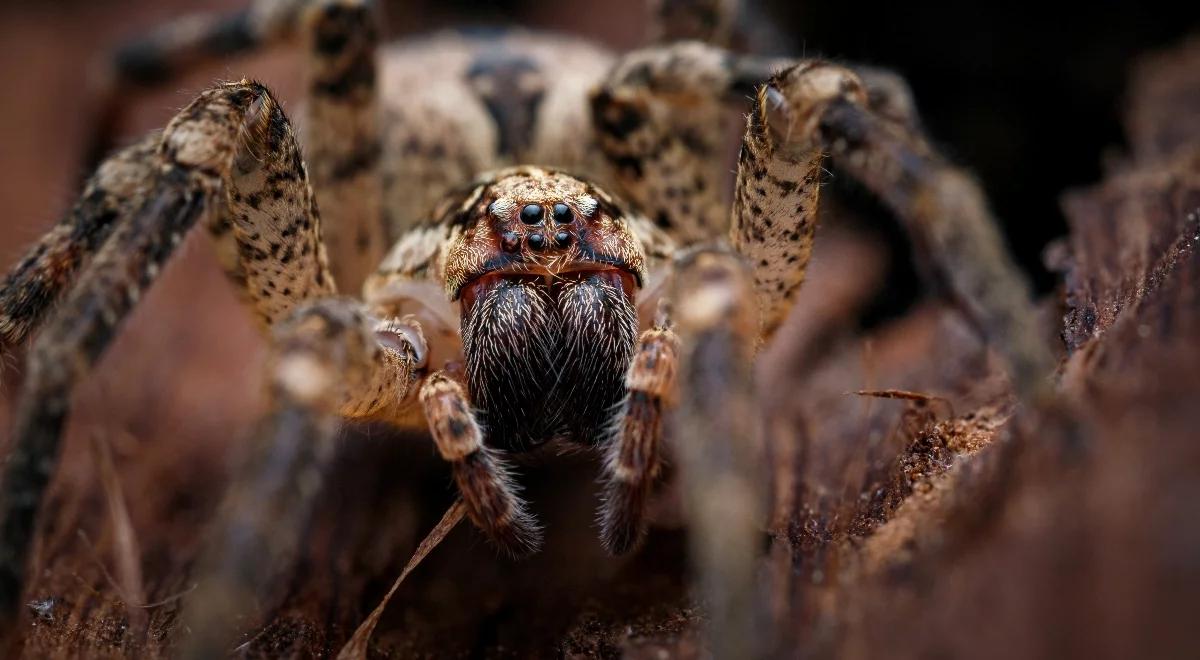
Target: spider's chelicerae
(507, 305)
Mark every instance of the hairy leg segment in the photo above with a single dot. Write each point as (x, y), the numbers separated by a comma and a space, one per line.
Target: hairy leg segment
(340, 40)
(229, 157)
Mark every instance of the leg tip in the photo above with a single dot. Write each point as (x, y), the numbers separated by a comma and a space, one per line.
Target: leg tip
(494, 507)
(517, 538)
(622, 517)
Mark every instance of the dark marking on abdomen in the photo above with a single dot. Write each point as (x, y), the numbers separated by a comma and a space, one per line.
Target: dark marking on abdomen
(511, 87)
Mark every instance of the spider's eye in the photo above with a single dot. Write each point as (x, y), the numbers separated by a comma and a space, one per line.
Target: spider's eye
(531, 214)
(562, 213)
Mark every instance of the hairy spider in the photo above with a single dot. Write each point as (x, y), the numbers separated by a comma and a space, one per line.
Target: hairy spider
(516, 309)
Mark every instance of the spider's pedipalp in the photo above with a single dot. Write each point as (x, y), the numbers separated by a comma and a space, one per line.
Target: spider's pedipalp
(633, 453)
(482, 478)
(230, 156)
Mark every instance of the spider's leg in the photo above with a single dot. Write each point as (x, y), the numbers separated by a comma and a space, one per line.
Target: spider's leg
(890, 97)
(49, 268)
(341, 122)
(174, 49)
(717, 442)
(230, 151)
(812, 110)
(774, 214)
(633, 461)
(659, 119)
(818, 108)
(331, 358)
(342, 136)
(481, 477)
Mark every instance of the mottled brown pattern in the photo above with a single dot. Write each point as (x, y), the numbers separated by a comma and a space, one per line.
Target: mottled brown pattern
(45, 274)
(659, 118)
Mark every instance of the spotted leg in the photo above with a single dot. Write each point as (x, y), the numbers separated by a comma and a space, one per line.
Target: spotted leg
(659, 119)
(49, 268)
(342, 134)
(778, 187)
(230, 157)
(341, 122)
(814, 109)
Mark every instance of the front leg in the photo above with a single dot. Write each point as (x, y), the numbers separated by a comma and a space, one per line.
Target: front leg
(778, 184)
(718, 445)
(816, 109)
(341, 124)
(701, 379)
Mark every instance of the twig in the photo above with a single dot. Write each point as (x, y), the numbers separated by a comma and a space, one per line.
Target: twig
(125, 550)
(908, 395)
(356, 648)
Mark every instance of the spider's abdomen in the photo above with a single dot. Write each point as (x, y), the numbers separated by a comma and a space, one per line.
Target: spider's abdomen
(455, 105)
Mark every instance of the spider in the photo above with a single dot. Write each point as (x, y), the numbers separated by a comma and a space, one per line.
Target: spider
(562, 267)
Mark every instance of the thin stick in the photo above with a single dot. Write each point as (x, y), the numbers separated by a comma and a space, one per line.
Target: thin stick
(908, 395)
(125, 550)
(356, 648)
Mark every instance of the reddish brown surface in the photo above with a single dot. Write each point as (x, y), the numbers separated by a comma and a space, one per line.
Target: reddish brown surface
(901, 529)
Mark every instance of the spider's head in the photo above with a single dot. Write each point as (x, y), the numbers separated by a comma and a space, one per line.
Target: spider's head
(546, 269)
(535, 222)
